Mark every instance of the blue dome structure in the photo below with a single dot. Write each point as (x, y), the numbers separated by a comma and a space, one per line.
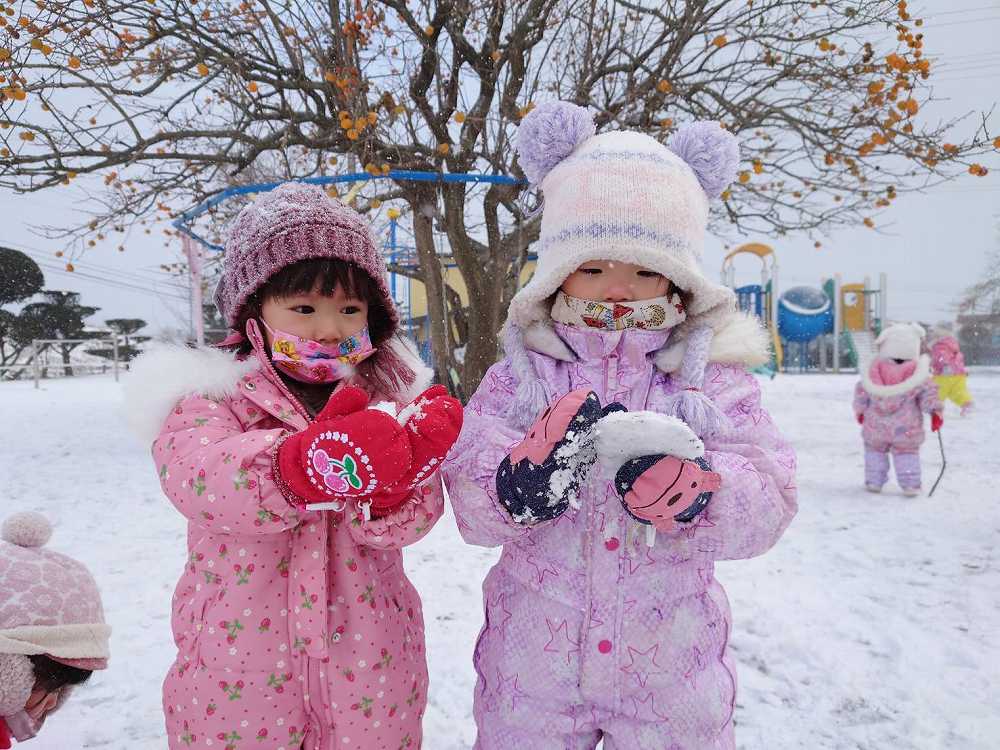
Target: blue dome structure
(804, 313)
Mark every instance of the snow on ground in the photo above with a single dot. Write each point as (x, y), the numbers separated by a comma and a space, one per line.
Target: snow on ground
(871, 625)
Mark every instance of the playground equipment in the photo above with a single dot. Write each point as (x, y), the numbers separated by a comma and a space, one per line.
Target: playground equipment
(863, 314)
(759, 299)
(811, 328)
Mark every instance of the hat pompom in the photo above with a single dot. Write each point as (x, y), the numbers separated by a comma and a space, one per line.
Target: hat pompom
(712, 152)
(550, 133)
(27, 529)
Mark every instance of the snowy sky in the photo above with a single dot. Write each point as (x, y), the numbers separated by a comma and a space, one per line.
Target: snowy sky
(931, 245)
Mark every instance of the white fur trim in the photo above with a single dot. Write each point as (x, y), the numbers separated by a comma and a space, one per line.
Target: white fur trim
(622, 436)
(166, 373)
(740, 340)
(76, 641)
(407, 352)
(920, 376)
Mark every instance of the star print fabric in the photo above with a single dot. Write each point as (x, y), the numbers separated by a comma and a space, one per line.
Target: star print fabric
(588, 631)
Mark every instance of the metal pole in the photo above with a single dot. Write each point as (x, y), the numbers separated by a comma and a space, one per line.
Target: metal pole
(838, 321)
(35, 362)
(869, 323)
(774, 295)
(114, 343)
(883, 299)
(192, 250)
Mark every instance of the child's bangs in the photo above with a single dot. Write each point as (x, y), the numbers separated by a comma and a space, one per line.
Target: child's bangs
(325, 273)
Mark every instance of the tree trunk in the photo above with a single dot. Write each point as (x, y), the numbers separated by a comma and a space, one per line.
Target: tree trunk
(487, 309)
(67, 368)
(433, 278)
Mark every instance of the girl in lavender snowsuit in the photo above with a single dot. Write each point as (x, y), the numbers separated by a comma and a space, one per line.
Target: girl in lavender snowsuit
(890, 401)
(599, 626)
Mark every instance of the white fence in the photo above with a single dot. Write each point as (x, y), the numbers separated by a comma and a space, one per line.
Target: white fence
(41, 346)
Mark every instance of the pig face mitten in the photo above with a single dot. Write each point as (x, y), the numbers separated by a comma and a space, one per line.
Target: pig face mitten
(660, 473)
(541, 477)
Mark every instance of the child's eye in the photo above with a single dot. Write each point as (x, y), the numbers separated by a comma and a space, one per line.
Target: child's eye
(304, 309)
(649, 274)
(590, 271)
(351, 310)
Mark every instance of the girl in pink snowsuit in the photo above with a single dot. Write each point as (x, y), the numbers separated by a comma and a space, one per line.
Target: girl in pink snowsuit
(890, 402)
(295, 624)
(600, 625)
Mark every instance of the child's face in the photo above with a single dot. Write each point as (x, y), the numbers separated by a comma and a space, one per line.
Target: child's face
(312, 315)
(40, 703)
(611, 281)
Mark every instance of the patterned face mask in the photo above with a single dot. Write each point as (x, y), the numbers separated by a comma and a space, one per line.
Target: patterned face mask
(657, 314)
(309, 361)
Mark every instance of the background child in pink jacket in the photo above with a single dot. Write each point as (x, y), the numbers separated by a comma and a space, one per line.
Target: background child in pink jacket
(948, 368)
(295, 624)
(603, 616)
(890, 401)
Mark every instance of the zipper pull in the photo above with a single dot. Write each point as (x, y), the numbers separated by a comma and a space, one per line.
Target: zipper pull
(650, 536)
(366, 510)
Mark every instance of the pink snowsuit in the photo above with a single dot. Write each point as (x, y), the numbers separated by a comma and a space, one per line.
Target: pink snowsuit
(589, 632)
(894, 421)
(293, 630)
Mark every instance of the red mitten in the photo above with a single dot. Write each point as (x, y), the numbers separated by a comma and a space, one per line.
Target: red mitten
(350, 451)
(860, 418)
(432, 422)
(936, 421)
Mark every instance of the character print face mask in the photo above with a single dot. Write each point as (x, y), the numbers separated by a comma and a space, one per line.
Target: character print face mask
(657, 314)
(310, 361)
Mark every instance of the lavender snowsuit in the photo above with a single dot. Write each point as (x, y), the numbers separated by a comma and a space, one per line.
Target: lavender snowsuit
(894, 422)
(589, 632)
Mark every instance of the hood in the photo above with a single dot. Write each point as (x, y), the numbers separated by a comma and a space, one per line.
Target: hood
(166, 373)
(920, 375)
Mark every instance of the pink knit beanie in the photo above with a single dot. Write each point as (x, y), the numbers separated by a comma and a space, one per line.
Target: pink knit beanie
(291, 223)
(49, 604)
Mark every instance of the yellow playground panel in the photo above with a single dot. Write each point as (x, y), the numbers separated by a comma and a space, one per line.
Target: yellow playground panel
(852, 302)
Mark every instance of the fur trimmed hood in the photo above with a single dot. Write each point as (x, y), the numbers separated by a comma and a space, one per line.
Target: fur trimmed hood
(920, 376)
(166, 373)
(739, 340)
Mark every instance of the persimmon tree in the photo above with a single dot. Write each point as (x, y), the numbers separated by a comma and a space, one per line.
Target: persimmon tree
(170, 101)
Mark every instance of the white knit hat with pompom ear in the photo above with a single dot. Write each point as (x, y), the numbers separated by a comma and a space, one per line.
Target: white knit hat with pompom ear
(901, 341)
(620, 196)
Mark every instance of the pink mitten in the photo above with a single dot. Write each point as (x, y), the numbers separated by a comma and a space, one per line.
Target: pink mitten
(660, 490)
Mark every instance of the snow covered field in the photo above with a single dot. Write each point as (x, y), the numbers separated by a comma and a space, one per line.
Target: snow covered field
(873, 624)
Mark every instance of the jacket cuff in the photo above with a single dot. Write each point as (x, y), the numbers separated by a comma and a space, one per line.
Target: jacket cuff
(296, 501)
